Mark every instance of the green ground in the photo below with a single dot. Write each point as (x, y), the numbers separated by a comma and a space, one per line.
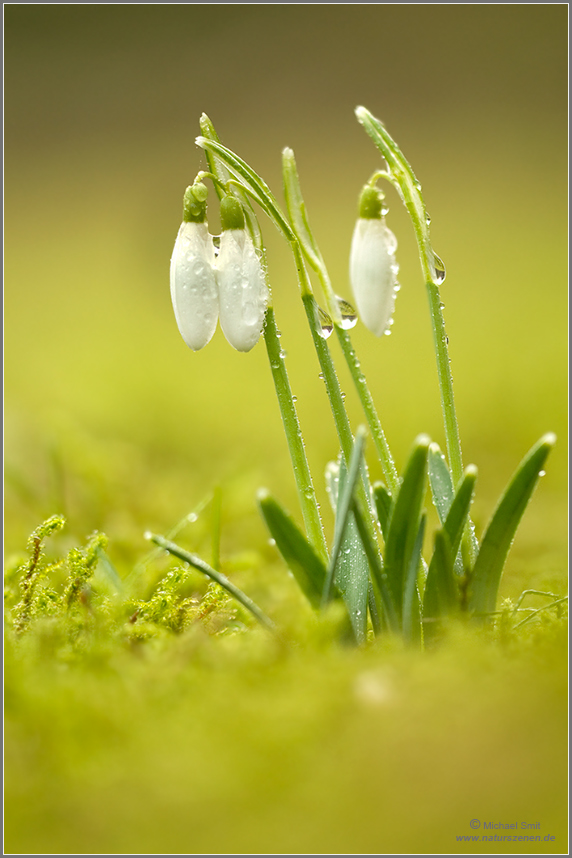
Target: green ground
(216, 739)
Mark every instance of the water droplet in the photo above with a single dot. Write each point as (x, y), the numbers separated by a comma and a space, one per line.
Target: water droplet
(325, 324)
(271, 542)
(427, 218)
(282, 354)
(192, 517)
(343, 395)
(294, 398)
(440, 270)
(384, 209)
(147, 534)
(542, 473)
(321, 375)
(388, 332)
(441, 306)
(347, 312)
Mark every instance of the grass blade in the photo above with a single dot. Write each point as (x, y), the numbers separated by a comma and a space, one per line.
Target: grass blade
(378, 575)
(411, 608)
(349, 567)
(404, 525)
(383, 504)
(501, 530)
(440, 481)
(197, 563)
(458, 513)
(307, 568)
(441, 595)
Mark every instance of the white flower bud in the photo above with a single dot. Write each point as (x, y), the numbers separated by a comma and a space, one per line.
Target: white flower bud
(193, 284)
(373, 273)
(243, 293)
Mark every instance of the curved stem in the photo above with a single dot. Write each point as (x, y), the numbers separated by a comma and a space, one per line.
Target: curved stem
(304, 484)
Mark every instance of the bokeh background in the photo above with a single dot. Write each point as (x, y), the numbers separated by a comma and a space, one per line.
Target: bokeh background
(109, 417)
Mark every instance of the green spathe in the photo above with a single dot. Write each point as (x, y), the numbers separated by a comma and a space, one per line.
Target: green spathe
(370, 203)
(194, 203)
(231, 214)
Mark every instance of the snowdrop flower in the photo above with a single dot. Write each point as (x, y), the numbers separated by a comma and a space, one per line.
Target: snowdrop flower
(373, 270)
(242, 289)
(193, 281)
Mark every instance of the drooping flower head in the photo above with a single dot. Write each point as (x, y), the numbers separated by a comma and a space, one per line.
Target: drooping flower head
(242, 289)
(203, 286)
(373, 269)
(193, 283)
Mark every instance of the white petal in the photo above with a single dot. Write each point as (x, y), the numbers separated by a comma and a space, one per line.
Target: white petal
(373, 273)
(243, 294)
(193, 285)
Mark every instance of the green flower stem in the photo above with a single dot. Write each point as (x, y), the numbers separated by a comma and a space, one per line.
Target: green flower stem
(300, 225)
(335, 396)
(403, 179)
(304, 484)
(367, 403)
(445, 383)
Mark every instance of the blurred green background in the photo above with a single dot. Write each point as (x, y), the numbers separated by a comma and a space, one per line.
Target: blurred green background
(110, 418)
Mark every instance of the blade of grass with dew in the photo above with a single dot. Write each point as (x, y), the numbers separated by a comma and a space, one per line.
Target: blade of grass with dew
(382, 591)
(443, 493)
(300, 557)
(384, 506)
(411, 609)
(440, 481)
(348, 565)
(404, 524)
(441, 597)
(499, 535)
(199, 564)
(441, 587)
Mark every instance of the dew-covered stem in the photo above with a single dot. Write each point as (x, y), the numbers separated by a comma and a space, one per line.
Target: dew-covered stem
(445, 383)
(367, 403)
(304, 484)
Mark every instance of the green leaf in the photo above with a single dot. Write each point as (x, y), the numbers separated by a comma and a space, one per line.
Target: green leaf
(440, 481)
(404, 524)
(297, 210)
(411, 608)
(443, 492)
(197, 563)
(502, 527)
(307, 568)
(458, 513)
(441, 595)
(349, 567)
(378, 576)
(383, 504)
